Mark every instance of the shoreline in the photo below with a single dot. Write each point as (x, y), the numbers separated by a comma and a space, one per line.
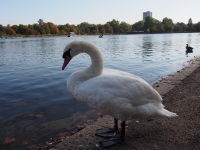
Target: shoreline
(86, 139)
(46, 36)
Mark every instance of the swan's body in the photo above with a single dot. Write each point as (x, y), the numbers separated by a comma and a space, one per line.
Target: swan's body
(119, 94)
(116, 93)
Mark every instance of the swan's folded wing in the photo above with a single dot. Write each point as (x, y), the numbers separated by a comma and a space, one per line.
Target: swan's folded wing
(113, 85)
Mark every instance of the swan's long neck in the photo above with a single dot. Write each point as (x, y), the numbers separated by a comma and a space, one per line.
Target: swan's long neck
(97, 63)
(95, 69)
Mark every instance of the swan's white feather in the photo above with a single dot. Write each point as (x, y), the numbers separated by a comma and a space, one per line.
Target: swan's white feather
(119, 94)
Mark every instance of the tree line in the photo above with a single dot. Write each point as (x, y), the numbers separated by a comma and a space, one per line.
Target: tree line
(149, 25)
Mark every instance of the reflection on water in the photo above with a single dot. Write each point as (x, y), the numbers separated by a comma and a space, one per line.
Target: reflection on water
(32, 81)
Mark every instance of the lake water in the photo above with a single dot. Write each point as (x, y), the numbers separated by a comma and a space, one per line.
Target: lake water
(33, 94)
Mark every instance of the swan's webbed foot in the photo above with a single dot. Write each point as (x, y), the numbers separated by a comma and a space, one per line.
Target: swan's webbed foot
(110, 142)
(108, 132)
(105, 133)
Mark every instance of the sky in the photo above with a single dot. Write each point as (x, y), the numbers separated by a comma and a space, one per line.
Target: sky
(60, 12)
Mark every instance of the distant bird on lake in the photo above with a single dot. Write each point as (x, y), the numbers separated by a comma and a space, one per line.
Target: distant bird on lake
(122, 95)
(189, 49)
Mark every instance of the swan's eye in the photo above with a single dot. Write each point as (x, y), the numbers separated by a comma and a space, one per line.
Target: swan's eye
(67, 53)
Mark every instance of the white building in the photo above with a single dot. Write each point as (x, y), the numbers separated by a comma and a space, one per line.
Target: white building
(145, 14)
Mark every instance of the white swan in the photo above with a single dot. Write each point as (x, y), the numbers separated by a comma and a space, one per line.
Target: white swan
(116, 93)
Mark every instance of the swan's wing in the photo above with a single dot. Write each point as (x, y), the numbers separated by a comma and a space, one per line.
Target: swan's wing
(119, 84)
(122, 91)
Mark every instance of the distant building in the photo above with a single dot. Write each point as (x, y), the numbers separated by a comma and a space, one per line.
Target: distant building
(145, 14)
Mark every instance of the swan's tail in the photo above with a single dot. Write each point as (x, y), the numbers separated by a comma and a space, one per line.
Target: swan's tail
(166, 113)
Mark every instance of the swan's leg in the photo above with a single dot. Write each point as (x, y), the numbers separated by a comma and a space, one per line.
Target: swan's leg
(108, 132)
(123, 130)
(116, 125)
(114, 140)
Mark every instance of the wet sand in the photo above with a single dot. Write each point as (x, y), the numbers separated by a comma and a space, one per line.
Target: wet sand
(181, 94)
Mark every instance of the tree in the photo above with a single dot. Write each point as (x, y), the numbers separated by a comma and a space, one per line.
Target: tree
(108, 28)
(24, 30)
(115, 25)
(40, 21)
(15, 27)
(124, 27)
(180, 27)
(32, 30)
(197, 27)
(149, 24)
(2, 29)
(101, 29)
(62, 32)
(45, 27)
(84, 27)
(53, 28)
(138, 26)
(168, 24)
(160, 27)
(190, 25)
(93, 29)
(1, 33)
(10, 31)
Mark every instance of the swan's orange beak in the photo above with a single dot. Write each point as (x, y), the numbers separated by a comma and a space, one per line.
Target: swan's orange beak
(66, 61)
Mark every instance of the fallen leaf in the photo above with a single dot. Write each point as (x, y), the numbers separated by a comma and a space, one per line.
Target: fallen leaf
(8, 140)
(48, 144)
(89, 121)
(32, 147)
(39, 115)
(79, 128)
(62, 134)
(67, 137)
(100, 115)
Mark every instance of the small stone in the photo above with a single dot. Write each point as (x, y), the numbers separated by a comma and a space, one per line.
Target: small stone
(97, 145)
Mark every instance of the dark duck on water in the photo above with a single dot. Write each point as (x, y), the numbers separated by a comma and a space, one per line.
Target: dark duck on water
(189, 49)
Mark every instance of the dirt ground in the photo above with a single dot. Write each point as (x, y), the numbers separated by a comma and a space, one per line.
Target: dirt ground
(181, 94)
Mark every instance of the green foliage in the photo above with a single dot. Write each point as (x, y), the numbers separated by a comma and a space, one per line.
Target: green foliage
(2, 29)
(108, 28)
(150, 25)
(24, 30)
(10, 31)
(115, 25)
(1, 33)
(180, 27)
(190, 26)
(124, 27)
(197, 27)
(168, 24)
(101, 29)
(84, 28)
(138, 26)
(40, 21)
